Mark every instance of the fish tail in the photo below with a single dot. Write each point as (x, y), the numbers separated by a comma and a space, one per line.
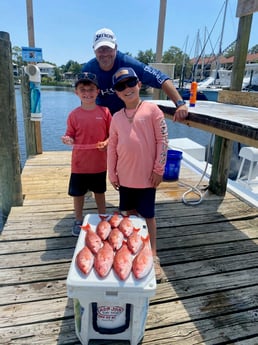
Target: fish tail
(103, 216)
(86, 227)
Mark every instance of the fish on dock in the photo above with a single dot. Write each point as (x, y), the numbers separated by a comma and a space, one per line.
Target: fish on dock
(85, 260)
(123, 262)
(126, 226)
(115, 220)
(92, 240)
(116, 238)
(104, 260)
(143, 261)
(103, 228)
(135, 241)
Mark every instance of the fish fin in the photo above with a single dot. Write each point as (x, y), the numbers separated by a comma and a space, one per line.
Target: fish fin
(86, 227)
(146, 239)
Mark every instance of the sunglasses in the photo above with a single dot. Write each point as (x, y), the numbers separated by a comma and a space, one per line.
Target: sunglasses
(88, 75)
(128, 83)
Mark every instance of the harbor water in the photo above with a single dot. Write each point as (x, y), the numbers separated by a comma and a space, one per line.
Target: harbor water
(56, 103)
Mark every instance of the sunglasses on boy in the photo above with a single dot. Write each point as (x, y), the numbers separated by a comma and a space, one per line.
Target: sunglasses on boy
(128, 83)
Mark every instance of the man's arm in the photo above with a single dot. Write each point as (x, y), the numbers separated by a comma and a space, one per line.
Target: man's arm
(170, 90)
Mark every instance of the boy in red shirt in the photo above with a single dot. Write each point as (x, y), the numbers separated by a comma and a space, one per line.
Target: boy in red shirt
(88, 131)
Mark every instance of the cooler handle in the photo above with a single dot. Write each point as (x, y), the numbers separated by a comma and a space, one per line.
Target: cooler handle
(103, 330)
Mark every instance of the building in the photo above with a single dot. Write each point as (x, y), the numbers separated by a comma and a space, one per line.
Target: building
(205, 65)
(46, 69)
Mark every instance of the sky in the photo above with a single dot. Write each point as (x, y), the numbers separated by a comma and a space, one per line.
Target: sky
(64, 29)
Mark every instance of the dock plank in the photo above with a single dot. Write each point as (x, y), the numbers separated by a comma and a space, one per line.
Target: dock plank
(208, 253)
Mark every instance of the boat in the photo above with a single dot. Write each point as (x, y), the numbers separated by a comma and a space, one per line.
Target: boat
(209, 88)
(222, 78)
(250, 80)
(185, 94)
(244, 182)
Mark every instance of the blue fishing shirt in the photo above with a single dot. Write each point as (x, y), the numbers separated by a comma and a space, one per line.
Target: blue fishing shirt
(107, 96)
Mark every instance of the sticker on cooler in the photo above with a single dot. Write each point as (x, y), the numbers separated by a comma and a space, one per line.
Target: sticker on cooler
(111, 313)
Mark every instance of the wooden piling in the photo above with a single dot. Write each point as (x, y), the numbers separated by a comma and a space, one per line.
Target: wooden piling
(29, 126)
(31, 38)
(223, 147)
(10, 177)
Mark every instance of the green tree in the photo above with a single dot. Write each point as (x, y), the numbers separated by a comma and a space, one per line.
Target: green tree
(181, 60)
(58, 75)
(230, 50)
(75, 68)
(17, 57)
(146, 57)
(253, 50)
(71, 66)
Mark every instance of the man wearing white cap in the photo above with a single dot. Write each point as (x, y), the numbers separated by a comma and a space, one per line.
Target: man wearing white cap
(108, 60)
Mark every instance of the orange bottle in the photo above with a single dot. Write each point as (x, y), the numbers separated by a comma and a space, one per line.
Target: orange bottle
(193, 94)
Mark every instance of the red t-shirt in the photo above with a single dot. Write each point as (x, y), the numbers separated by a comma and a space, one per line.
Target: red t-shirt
(88, 127)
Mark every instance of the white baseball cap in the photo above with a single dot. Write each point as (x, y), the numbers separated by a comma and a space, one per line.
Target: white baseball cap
(104, 37)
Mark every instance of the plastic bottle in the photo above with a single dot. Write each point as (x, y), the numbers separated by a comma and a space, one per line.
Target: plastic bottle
(193, 94)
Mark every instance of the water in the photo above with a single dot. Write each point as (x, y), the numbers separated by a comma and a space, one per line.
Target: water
(56, 103)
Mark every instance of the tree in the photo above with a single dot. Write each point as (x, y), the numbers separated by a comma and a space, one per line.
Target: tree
(253, 50)
(146, 57)
(17, 57)
(72, 66)
(230, 50)
(58, 76)
(75, 68)
(176, 56)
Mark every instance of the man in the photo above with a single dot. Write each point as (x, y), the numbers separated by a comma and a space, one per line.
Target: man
(108, 60)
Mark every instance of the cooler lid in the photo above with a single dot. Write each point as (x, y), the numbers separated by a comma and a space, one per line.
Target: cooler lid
(77, 279)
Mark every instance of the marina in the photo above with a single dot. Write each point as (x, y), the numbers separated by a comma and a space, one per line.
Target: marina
(208, 253)
(207, 227)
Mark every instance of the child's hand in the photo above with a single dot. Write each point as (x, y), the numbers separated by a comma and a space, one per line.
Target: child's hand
(115, 184)
(156, 179)
(102, 145)
(67, 140)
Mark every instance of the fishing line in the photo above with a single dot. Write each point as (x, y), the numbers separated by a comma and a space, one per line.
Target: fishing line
(86, 146)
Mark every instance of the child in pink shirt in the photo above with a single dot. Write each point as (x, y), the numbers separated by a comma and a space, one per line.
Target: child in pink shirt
(137, 152)
(88, 131)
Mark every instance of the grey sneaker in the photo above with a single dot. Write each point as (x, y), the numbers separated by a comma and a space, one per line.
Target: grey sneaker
(76, 228)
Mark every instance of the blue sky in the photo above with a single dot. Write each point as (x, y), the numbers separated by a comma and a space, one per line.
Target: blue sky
(64, 29)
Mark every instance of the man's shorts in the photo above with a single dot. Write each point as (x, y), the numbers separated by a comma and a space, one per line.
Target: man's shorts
(80, 184)
(140, 199)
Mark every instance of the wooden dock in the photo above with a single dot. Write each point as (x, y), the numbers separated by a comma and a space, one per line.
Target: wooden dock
(209, 254)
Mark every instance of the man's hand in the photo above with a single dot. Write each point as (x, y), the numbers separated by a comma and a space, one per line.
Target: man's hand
(181, 113)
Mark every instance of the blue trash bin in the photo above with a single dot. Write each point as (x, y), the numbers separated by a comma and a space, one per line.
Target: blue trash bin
(173, 164)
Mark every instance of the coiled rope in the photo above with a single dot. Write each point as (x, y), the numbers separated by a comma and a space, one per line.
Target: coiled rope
(199, 192)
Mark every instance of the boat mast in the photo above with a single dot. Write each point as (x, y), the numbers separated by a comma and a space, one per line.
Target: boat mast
(221, 37)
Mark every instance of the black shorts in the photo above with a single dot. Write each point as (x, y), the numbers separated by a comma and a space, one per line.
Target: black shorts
(80, 184)
(140, 199)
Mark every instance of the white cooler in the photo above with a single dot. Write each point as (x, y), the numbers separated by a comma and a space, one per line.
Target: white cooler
(109, 308)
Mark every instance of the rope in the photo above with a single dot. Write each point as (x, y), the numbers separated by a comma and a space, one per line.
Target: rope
(199, 192)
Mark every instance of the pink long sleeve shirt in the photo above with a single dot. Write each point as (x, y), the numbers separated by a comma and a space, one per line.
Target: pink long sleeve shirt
(88, 127)
(137, 148)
